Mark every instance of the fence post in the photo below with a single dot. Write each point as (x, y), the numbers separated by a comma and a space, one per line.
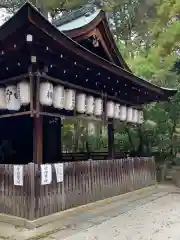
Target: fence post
(154, 170)
(31, 196)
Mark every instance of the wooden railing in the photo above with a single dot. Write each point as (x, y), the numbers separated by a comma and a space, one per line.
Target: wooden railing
(84, 182)
(84, 156)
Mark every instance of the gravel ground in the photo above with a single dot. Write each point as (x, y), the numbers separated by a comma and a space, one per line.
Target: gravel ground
(157, 220)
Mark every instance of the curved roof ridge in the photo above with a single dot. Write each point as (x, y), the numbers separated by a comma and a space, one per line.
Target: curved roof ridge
(85, 22)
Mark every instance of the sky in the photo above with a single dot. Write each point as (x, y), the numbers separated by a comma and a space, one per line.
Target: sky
(2, 15)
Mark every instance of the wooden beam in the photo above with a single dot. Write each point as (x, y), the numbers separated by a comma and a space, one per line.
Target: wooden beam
(14, 79)
(85, 36)
(37, 88)
(65, 83)
(111, 147)
(119, 60)
(31, 92)
(97, 33)
(58, 115)
(15, 114)
(108, 53)
(86, 28)
(37, 127)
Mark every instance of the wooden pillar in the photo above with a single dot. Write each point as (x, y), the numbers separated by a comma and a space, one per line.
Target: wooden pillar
(60, 140)
(110, 131)
(37, 139)
(37, 125)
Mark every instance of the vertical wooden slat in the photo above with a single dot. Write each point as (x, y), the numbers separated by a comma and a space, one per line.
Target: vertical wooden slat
(63, 194)
(118, 175)
(89, 181)
(122, 176)
(31, 191)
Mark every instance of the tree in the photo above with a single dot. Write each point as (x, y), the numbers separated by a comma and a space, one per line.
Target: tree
(153, 59)
(53, 7)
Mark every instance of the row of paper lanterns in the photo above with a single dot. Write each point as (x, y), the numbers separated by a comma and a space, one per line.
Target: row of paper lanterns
(14, 96)
(61, 98)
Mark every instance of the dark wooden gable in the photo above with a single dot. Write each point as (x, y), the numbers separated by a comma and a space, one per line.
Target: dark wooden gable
(98, 27)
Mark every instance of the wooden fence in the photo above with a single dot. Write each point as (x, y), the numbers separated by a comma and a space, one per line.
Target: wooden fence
(84, 182)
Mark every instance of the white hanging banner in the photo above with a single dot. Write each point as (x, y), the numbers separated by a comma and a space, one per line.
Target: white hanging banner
(46, 174)
(59, 168)
(18, 175)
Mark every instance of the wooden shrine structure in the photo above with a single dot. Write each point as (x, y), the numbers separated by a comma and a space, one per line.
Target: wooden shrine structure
(69, 68)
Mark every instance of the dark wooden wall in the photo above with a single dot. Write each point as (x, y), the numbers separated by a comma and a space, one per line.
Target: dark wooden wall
(16, 140)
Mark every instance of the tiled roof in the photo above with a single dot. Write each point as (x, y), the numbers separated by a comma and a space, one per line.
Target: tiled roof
(69, 16)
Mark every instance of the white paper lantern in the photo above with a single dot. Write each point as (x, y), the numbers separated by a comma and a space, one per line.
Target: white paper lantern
(46, 93)
(12, 100)
(98, 107)
(129, 114)
(58, 97)
(91, 128)
(81, 103)
(23, 91)
(123, 113)
(89, 105)
(140, 117)
(2, 99)
(135, 116)
(70, 99)
(117, 111)
(110, 109)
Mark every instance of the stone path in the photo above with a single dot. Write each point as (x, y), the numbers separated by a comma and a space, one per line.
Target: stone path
(156, 220)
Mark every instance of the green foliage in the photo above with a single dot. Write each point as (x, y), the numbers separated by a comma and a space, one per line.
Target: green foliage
(151, 52)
